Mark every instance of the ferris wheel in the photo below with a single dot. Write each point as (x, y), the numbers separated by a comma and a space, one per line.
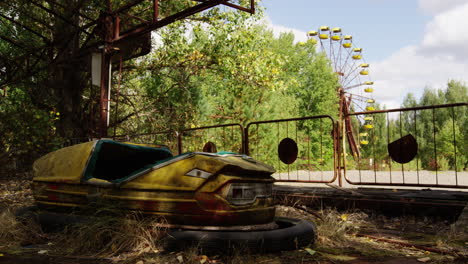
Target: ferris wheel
(355, 85)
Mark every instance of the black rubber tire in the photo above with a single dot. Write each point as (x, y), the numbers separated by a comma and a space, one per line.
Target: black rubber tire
(291, 234)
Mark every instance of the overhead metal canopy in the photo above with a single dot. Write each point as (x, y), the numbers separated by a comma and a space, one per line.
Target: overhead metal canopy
(29, 43)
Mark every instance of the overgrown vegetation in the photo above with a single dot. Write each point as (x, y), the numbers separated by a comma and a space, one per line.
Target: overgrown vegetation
(217, 67)
(341, 237)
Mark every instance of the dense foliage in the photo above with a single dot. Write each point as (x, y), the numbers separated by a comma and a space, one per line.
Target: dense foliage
(214, 68)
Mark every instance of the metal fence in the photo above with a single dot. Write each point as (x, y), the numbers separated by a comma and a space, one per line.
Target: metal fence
(168, 138)
(300, 149)
(419, 146)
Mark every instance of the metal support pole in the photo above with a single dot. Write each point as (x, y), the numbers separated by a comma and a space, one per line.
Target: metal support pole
(105, 93)
(155, 10)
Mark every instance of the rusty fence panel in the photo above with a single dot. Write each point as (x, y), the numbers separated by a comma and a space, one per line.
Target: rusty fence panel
(420, 146)
(227, 137)
(300, 149)
(168, 138)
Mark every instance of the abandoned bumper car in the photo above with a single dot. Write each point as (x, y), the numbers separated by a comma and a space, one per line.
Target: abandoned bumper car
(212, 200)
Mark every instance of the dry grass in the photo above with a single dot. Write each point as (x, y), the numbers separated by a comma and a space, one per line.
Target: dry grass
(111, 233)
(15, 232)
(130, 238)
(336, 227)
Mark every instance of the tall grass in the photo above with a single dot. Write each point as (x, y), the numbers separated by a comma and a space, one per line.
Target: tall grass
(16, 231)
(110, 232)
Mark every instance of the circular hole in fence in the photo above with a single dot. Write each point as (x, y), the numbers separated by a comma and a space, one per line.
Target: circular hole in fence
(210, 147)
(287, 150)
(403, 150)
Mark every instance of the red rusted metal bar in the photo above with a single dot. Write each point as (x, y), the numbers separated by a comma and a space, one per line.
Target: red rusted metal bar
(250, 10)
(143, 29)
(117, 27)
(144, 134)
(407, 184)
(435, 145)
(438, 183)
(409, 109)
(320, 117)
(155, 10)
(454, 144)
(308, 181)
(290, 119)
(145, 22)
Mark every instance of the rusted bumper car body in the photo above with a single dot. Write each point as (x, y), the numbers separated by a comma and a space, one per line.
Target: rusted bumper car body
(214, 201)
(206, 190)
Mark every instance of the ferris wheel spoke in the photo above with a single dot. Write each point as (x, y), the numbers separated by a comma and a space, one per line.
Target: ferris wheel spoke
(348, 55)
(360, 97)
(355, 88)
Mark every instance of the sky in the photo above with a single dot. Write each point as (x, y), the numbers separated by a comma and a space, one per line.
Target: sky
(409, 44)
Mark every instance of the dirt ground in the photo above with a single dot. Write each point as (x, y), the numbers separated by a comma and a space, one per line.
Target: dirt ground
(343, 237)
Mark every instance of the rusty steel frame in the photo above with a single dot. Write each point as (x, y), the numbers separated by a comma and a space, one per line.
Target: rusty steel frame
(128, 137)
(111, 36)
(140, 30)
(241, 129)
(338, 153)
(414, 109)
(335, 139)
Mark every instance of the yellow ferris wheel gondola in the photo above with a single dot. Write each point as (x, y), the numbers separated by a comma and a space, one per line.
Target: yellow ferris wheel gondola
(324, 32)
(336, 34)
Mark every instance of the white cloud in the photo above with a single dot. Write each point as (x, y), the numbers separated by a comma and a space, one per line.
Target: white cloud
(446, 33)
(409, 71)
(299, 35)
(433, 7)
(441, 56)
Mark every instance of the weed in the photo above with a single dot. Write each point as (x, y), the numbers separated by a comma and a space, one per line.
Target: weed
(15, 232)
(111, 232)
